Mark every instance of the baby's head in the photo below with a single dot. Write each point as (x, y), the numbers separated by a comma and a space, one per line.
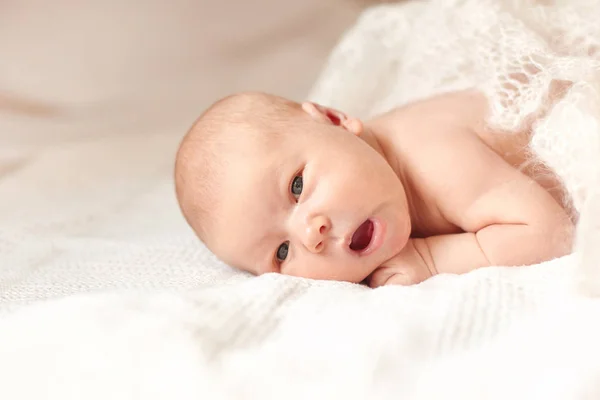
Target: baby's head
(270, 185)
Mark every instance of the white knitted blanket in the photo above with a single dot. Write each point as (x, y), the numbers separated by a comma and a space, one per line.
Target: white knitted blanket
(101, 215)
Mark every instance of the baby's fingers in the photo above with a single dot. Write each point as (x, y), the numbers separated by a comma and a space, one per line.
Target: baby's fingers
(390, 276)
(402, 279)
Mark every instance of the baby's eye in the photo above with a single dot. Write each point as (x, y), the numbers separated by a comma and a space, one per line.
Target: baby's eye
(282, 251)
(296, 187)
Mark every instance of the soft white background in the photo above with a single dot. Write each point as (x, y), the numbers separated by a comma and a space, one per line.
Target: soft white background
(72, 69)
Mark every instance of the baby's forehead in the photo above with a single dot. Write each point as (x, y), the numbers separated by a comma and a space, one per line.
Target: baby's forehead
(257, 139)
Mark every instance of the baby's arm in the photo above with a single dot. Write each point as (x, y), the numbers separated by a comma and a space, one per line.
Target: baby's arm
(508, 219)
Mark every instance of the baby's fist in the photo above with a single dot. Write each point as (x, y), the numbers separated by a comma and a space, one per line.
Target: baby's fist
(406, 268)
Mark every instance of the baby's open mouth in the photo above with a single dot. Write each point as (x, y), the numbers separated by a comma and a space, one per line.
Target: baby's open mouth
(362, 237)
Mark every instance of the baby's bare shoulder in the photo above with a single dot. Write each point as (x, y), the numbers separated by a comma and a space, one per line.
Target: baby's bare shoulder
(440, 138)
(441, 148)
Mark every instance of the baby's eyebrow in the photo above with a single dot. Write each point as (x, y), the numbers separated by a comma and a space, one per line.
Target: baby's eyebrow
(275, 203)
(262, 252)
(261, 260)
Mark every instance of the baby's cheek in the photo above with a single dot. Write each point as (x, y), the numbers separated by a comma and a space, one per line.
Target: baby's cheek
(300, 269)
(312, 269)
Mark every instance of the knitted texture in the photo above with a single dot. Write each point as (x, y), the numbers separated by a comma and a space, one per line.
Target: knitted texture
(112, 224)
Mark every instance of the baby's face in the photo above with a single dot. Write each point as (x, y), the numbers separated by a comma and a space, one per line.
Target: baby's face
(321, 204)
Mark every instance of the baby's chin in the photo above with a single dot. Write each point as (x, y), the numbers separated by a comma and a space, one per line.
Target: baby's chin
(349, 272)
(334, 277)
(351, 276)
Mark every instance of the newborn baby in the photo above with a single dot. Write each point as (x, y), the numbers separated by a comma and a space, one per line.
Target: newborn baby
(270, 185)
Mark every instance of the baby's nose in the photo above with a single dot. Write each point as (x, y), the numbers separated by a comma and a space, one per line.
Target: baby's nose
(317, 229)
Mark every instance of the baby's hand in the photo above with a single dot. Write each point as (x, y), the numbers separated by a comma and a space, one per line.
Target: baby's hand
(407, 268)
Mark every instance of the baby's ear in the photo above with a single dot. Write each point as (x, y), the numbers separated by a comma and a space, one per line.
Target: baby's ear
(331, 116)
